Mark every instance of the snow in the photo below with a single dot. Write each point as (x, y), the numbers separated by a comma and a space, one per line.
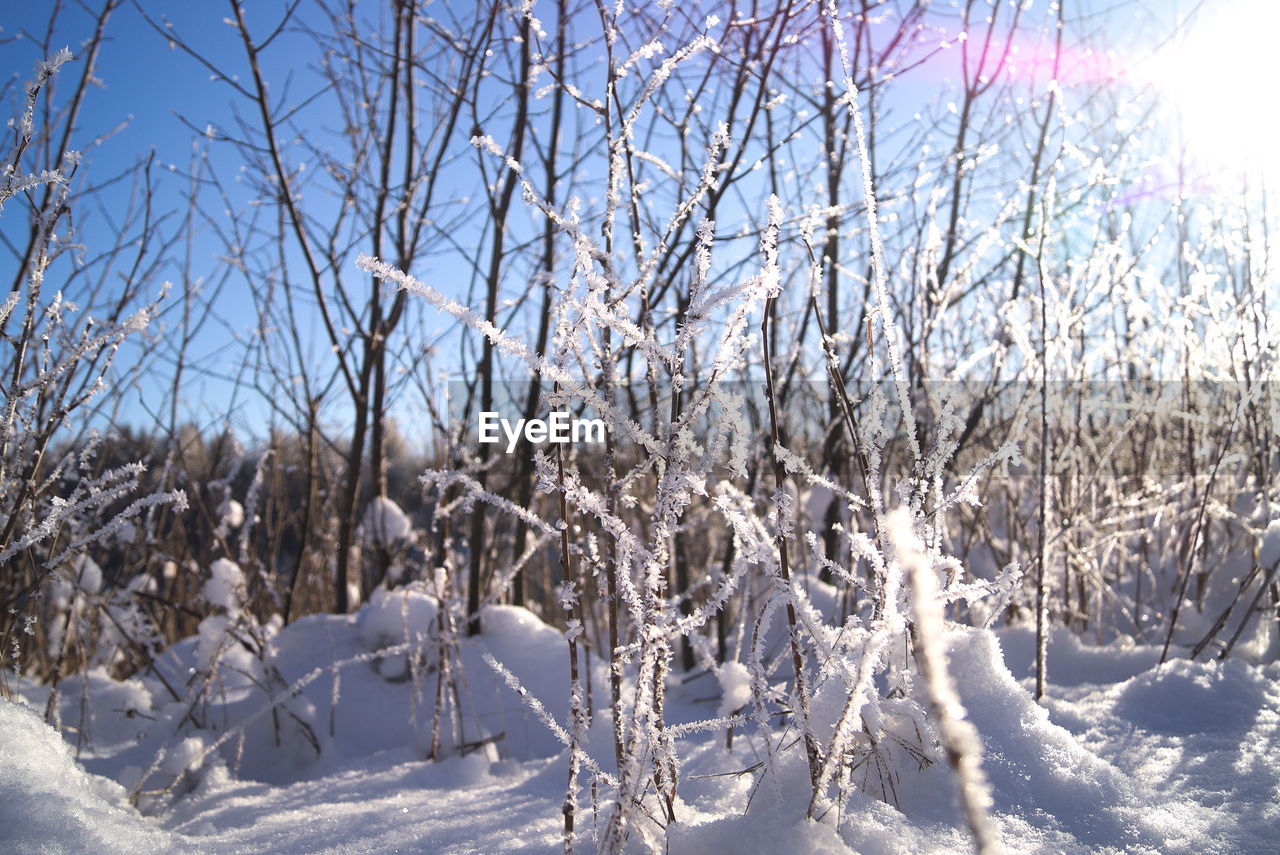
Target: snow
(1269, 551)
(391, 617)
(231, 514)
(48, 804)
(223, 587)
(83, 575)
(1124, 757)
(735, 687)
(384, 523)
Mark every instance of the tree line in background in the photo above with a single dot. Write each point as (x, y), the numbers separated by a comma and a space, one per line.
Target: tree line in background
(810, 261)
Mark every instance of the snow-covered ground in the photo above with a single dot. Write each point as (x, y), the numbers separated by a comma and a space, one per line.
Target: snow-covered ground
(1124, 756)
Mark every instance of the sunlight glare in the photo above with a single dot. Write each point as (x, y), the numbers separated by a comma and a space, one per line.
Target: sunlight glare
(1216, 78)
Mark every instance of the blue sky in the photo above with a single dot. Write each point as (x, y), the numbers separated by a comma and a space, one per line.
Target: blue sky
(150, 87)
(145, 89)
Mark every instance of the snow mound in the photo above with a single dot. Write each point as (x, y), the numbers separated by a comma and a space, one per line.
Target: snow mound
(1269, 549)
(50, 805)
(395, 617)
(735, 688)
(384, 524)
(1187, 697)
(1040, 773)
(760, 836)
(1072, 662)
(223, 587)
(231, 514)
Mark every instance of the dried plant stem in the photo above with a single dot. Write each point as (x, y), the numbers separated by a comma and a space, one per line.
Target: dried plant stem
(959, 737)
(784, 571)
